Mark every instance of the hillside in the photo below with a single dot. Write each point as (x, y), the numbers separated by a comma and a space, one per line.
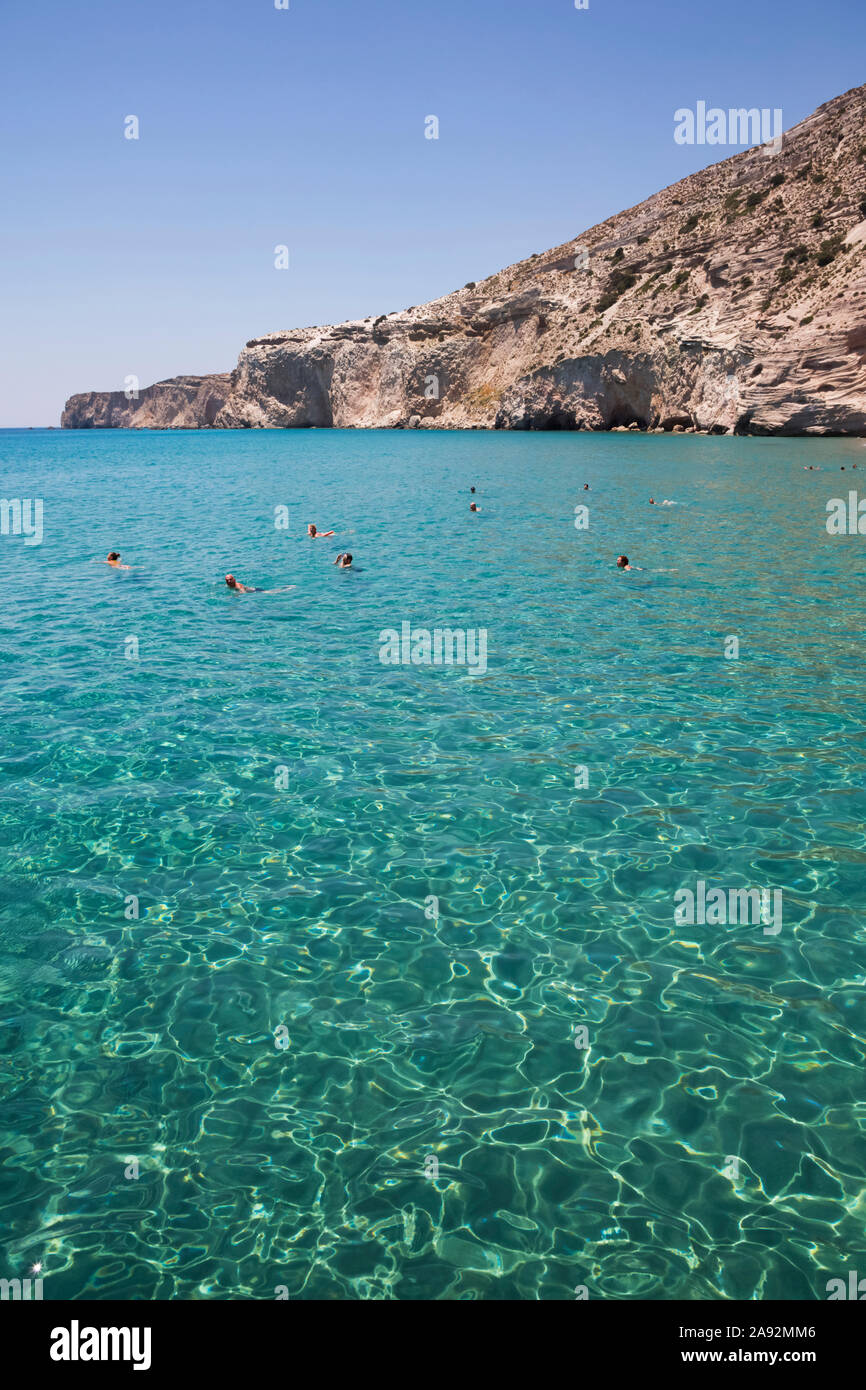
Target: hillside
(733, 301)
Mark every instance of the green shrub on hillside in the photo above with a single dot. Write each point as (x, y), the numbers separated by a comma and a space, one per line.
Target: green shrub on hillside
(619, 282)
(829, 249)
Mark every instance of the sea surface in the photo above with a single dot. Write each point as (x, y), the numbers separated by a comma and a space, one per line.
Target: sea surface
(296, 947)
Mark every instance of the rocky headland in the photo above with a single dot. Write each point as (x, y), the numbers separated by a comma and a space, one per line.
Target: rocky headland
(732, 302)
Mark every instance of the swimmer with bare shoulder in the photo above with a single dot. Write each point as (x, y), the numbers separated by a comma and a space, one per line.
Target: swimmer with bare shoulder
(344, 561)
(318, 535)
(113, 559)
(474, 507)
(239, 588)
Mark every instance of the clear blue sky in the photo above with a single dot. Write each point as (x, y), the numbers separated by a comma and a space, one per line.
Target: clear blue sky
(306, 127)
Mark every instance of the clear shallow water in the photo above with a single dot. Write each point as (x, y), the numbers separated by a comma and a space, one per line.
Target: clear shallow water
(260, 907)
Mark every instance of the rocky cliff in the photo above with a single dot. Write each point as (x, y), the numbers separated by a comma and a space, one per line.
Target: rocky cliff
(183, 402)
(732, 301)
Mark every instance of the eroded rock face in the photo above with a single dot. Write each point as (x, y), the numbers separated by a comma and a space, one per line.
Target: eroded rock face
(733, 301)
(183, 402)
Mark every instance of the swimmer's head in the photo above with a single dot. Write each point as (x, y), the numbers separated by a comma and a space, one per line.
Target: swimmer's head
(652, 501)
(311, 530)
(622, 562)
(586, 487)
(472, 489)
(347, 560)
(113, 555)
(473, 506)
(231, 581)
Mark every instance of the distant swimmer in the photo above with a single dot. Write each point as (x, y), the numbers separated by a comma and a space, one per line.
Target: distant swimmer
(623, 564)
(344, 561)
(472, 489)
(652, 501)
(474, 507)
(113, 559)
(318, 535)
(586, 487)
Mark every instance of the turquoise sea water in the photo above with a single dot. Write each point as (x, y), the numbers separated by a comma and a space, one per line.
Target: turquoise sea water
(707, 1144)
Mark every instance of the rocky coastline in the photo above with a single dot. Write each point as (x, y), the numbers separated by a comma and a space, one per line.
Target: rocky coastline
(732, 302)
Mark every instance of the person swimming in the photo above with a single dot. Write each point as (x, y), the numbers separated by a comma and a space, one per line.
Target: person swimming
(318, 535)
(586, 487)
(622, 562)
(344, 561)
(472, 489)
(239, 588)
(652, 501)
(474, 507)
(113, 559)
